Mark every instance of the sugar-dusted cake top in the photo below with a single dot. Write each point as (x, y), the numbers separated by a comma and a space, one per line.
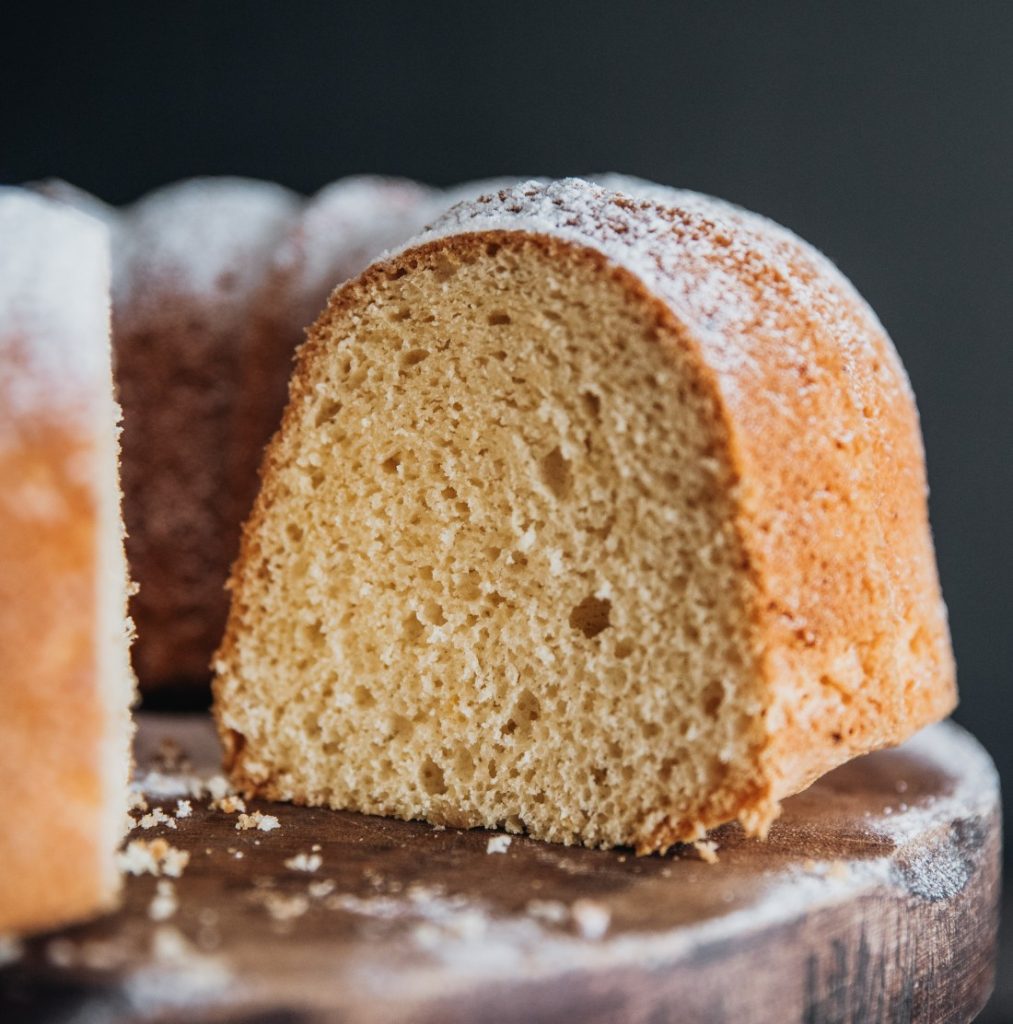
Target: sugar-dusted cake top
(722, 269)
(54, 303)
(207, 238)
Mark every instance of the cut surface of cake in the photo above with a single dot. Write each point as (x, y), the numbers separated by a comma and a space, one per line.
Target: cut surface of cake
(597, 516)
(64, 635)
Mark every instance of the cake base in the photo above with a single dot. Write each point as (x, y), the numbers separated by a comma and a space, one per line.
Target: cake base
(875, 898)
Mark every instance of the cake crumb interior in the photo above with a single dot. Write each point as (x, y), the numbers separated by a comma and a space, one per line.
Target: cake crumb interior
(492, 577)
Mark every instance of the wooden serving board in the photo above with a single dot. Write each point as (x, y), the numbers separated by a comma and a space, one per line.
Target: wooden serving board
(874, 899)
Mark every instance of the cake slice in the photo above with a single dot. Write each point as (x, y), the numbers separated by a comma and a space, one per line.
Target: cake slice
(597, 516)
(67, 686)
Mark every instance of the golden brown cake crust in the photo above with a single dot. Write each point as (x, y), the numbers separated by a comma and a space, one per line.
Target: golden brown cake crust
(813, 412)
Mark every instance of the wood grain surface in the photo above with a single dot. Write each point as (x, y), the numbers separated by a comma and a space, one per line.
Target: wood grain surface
(874, 899)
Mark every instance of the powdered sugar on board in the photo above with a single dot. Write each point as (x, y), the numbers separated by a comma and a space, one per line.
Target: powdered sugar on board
(54, 306)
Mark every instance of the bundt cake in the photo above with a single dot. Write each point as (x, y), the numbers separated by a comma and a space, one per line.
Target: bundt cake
(190, 260)
(592, 514)
(67, 685)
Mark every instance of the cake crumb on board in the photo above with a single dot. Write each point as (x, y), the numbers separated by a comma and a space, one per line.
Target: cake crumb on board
(263, 822)
(228, 804)
(156, 817)
(256, 820)
(707, 850)
(153, 857)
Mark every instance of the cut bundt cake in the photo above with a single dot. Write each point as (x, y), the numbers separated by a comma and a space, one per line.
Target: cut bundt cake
(597, 516)
(67, 685)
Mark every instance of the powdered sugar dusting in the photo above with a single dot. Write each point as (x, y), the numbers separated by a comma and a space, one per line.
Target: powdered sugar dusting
(723, 270)
(54, 304)
(70, 195)
(209, 239)
(469, 191)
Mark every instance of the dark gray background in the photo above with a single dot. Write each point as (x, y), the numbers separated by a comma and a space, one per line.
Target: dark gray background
(882, 133)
